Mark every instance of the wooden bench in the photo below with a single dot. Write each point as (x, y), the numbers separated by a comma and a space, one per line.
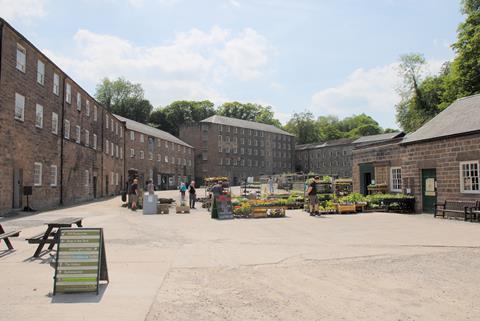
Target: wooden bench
(37, 239)
(5, 236)
(459, 208)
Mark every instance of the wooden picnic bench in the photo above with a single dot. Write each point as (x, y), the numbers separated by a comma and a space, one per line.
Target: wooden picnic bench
(458, 208)
(51, 234)
(6, 235)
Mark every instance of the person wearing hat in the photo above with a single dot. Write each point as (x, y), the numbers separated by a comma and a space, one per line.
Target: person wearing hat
(312, 195)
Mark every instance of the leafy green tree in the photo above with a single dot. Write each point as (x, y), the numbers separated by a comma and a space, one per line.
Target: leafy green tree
(172, 116)
(124, 98)
(304, 127)
(249, 111)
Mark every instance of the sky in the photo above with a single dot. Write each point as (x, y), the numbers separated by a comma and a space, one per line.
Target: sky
(335, 57)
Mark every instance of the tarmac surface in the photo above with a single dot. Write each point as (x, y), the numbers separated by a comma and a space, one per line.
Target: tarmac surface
(372, 266)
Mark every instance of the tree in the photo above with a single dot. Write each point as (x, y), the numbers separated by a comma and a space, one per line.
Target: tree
(249, 111)
(467, 48)
(171, 117)
(124, 98)
(304, 127)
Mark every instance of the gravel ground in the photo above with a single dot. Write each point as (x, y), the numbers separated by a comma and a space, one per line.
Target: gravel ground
(372, 266)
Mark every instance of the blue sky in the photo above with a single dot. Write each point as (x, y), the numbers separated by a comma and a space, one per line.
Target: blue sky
(330, 57)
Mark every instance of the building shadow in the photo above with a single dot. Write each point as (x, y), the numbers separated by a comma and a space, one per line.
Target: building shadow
(72, 298)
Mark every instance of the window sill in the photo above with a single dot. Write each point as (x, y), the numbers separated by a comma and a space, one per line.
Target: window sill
(20, 120)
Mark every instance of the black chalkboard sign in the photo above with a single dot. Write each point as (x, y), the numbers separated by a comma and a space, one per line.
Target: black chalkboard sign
(81, 262)
(27, 190)
(222, 207)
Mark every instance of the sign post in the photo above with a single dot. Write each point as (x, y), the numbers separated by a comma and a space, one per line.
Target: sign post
(81, 262)
(222, 207)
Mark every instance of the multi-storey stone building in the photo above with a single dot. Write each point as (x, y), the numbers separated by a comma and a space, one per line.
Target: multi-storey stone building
(332, 158)
(238, 148)
(157, 155)
(52, 133)
(439, 161)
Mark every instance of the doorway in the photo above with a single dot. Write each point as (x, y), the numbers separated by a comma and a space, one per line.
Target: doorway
(106, 185)
(17, 188)
(367, 175)
(429, 190)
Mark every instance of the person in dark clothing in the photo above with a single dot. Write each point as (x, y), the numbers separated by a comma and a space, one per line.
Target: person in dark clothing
(192, 194)
(312, 195)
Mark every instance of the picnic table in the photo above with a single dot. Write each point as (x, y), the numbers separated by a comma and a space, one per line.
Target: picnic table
(51, 234)
(6, 235)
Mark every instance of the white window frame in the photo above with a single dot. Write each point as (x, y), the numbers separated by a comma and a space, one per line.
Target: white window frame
(40, 72)
(19, 107)
(94, 141)
(95, 113)
(87, 137)
(107, 146)
(67, 129)
(39, 116)
(112, 150)
(87, 178)
(142, 154)
(78, 134)
(79, 101)
(22, 58)
(39, 177)
(166, 159)
(106, 121)
(462, 178)
(68, 93)
(54, 123)
(87, 107)
(132, 152)
(56, 84)
(121, 152)
(111, 124)
(394, 184)
(132, 136)
(117, 151)
(53, 175)
(142, 138)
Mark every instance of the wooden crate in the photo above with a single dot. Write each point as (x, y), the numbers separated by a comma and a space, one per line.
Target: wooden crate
(346, 208)
(182, 209)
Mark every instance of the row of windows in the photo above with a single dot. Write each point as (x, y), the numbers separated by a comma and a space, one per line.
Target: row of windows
(114, 126)
(113, 149)
(166, 143)
(226, 139)
(325, 154)
(172, 159)
(249, 162)
(251, 132)
(21, 65)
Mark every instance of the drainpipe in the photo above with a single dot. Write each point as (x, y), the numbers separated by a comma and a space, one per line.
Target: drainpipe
(1, 42)
(62, 138)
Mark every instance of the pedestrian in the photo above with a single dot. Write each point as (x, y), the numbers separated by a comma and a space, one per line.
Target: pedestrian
(270, 185)
(312, 195)
(150, 187)
(134, 194)
(192, 194)
(183, 189)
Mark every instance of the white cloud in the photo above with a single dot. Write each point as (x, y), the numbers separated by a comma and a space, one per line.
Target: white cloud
(234, 3)
(371, 91)
(188, 67)
(22, 9)
(247, 54)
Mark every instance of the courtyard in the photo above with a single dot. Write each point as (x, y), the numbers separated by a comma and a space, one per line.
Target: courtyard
(372, 266)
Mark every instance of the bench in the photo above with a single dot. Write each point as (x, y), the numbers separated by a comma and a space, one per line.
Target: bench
(457, 208)
(38, 238)
(5, 235)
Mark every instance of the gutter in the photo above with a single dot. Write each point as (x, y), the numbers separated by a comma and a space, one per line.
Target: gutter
(62, 138)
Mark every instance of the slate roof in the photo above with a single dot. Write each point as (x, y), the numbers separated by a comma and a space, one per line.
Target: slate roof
(461, 117)
(216, 119)
(329, 143)
(151, 131)
(378, 138)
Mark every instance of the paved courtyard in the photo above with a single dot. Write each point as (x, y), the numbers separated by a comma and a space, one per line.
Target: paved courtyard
(372, 266)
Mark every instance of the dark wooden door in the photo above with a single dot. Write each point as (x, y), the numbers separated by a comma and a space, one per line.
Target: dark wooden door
(17, 188)
(94, 186)
(429, 189)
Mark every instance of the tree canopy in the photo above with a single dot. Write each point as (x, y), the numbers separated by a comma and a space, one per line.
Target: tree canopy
(124, 98)
(424, 97)
(307, 129)
(249, 111)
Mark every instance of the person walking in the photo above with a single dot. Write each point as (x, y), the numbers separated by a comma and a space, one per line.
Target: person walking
(312, 195)
(270, 185)
(183, 189)
(134, 194)
(150, 187)
(192, 194)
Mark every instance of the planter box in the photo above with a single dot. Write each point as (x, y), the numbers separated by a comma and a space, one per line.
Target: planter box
(182, 209)
(346, 208)
(360, 207)
(163, 209)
